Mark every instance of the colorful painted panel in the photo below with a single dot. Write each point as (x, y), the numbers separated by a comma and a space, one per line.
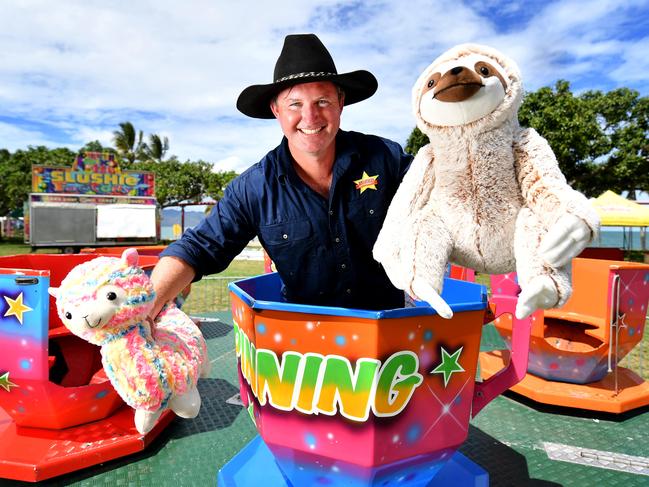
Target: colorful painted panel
(92, 174)
(352, 397)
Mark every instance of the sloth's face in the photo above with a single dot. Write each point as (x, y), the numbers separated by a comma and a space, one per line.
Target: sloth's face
(462, 91)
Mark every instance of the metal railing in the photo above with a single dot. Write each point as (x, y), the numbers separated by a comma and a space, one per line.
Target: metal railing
(209, 295)
(638, 359)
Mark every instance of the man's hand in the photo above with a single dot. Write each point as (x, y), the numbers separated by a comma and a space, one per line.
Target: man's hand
(565, 240)
(170, 276)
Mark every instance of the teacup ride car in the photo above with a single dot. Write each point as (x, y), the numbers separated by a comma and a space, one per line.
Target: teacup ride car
(575, 350)
(58, 411)
(361, 398)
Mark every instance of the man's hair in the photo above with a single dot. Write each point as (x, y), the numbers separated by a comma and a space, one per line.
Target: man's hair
(339, 90)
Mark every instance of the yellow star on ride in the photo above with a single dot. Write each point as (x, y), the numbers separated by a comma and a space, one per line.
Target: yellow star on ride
(5, 383)
(16, 307)
(367, 182)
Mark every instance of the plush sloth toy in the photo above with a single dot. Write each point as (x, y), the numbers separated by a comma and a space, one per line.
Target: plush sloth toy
(484, 193)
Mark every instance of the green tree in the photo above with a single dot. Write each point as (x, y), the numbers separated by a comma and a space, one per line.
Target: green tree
(416, 140)
(16, 172)
(571, 127)
(624, 118)
(128, 143)
(599, 139)
(96, 146)
(216, 183)
(190, 181)
(156, 148)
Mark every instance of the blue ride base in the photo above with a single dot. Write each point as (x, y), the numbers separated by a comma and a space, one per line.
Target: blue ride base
(255, 463)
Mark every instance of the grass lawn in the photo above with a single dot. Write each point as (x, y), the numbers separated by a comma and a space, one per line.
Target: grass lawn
(243, 268)
(15, 248)
(211, 293)
(638, 359)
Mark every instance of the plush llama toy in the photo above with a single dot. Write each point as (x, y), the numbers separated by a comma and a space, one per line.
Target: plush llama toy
(484, 193)
(106, 301)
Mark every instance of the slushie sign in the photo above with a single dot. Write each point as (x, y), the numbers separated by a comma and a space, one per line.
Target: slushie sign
(92, 173)
(327, 384)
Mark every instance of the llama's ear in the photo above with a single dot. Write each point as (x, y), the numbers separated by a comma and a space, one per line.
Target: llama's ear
(54, 292)
(130, 256)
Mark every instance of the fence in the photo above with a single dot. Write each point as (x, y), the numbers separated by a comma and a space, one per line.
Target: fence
(209, 295)
(638, 359)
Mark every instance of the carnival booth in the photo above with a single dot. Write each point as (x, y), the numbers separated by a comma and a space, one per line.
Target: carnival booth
(358, 398)
(616, 211)
(91, 203)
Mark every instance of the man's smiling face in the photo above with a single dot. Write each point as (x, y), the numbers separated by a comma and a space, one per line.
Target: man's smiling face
(309, 114)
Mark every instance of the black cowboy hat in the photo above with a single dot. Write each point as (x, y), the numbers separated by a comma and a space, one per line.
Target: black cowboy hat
(304, 59)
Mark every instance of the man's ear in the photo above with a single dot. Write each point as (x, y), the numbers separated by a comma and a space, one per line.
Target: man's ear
(273, 108)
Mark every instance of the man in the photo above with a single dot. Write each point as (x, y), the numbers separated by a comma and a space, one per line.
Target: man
(316, 202)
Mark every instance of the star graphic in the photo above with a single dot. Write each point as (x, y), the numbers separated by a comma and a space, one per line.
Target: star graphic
(367, 182)
(5, 383)
(449, 365)
(251, 412)
(251, 409)
(16, 307)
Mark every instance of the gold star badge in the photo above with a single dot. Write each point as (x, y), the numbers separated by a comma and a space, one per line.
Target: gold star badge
(5, 383)
(16, 307)
(367, 182)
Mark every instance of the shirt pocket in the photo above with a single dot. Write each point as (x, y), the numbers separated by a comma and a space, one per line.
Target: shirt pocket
(286, 234)
(292, 247)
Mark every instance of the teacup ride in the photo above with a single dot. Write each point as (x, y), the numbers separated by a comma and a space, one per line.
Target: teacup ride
(361, 398)
(58, 411)
(575, 350)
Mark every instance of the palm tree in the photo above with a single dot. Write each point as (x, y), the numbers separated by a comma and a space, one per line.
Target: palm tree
(156, 149)
(127, 142)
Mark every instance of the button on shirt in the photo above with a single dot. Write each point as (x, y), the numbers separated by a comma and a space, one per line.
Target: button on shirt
(322, 248)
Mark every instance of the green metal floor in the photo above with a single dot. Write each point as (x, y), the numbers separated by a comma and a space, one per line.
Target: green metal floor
(509, 439)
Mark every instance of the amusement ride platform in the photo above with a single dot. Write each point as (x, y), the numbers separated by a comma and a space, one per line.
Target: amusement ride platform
(516, 441)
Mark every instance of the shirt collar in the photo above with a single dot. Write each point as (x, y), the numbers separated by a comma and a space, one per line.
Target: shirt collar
(345, 152)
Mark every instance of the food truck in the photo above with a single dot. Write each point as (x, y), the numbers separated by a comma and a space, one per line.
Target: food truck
(91, 203)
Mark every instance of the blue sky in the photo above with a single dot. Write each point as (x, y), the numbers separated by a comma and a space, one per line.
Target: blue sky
(70, 70)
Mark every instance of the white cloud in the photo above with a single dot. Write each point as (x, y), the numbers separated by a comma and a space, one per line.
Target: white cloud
(74, 69)
(634, 64)
(15, 138)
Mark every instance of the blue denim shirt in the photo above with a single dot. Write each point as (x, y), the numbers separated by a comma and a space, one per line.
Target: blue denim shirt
(322, 248)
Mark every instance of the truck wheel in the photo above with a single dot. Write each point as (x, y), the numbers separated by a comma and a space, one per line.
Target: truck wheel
(70, 250)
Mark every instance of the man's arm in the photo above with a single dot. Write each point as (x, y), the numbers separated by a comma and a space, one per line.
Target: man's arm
(170, 276)
(207, 248)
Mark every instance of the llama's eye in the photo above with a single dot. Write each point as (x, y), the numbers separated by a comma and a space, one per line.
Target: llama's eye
(111, 296)
(68, 315)
(431, 83)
